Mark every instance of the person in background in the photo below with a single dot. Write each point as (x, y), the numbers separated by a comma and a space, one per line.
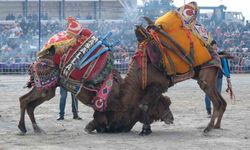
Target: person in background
(63, 94)
(74, 29)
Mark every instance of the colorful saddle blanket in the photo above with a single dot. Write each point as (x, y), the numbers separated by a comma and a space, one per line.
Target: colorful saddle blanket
(88, 64)
(84, 61)
(76, 53)
(69, 51)
(44, 74)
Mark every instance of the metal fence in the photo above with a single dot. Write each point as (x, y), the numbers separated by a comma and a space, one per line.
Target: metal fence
(15, 68)
(22, 68)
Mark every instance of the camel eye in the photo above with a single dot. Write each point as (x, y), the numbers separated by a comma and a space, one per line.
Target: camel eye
(52, 50)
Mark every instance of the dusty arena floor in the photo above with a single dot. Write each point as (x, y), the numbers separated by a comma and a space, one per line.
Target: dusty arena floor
(186, 132)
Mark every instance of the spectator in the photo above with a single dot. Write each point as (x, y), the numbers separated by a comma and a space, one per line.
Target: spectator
(89, 17)
(233, 37)
(63, 94)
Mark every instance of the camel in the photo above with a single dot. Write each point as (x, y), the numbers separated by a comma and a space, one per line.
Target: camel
(157, 84)
(130, 106)
(139, 97)
(129, 102)
(119, 120)
(131, 95)
(205, 78)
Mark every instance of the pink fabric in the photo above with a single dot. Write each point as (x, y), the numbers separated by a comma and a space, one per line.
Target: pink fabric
(100, 102)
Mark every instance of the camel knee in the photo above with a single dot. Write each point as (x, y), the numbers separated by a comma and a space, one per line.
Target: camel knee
(91, 126)
(223, 105)
(23, 98)
(27, 98)
(143, 107)
(23, 102)
(101, 117)
(30, 109)
(203, 85)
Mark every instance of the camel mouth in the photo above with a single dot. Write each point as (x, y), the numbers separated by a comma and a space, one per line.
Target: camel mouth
(167, 121)
(168, 117)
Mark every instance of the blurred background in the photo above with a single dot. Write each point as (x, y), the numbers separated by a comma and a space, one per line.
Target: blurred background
(25, 25)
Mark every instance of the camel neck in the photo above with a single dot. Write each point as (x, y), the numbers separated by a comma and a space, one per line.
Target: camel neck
(131, 87)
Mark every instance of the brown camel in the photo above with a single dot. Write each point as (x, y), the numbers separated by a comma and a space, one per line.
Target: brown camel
(130, 106)
(124, 121)
(131, 96)
(158, 83)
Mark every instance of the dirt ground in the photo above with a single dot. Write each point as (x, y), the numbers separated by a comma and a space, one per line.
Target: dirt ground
(186, 132)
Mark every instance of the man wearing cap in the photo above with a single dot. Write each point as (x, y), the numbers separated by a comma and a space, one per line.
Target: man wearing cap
(74, 29)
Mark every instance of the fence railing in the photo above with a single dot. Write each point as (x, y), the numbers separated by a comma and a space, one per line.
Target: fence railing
(14, 68)
(22, 68)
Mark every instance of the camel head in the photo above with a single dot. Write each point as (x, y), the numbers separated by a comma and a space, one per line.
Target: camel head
(162, 111)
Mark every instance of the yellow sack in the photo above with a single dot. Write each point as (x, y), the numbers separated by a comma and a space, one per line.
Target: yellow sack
(173, 25)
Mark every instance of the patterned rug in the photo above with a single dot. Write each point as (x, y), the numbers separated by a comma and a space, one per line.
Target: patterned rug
(44, 74)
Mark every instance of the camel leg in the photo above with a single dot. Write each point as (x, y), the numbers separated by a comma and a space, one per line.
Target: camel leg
(30, 110)
(91, 126)
(24, 100)
(152, 91)
(146, 128)
(216, 106)
(222, 110)
(21, 124)
(99, 123)
(206, 81)
(33, 104)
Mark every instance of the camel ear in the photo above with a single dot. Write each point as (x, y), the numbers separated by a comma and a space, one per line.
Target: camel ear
(148, 20)
(140, 33)
(52, 50)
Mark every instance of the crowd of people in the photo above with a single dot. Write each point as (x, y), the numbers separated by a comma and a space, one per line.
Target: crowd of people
(19, 39)
(234, 38)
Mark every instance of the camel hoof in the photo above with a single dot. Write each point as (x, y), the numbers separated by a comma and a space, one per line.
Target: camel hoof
(90, 127)
(89, 131)
(22, 128)
(101, 130)
(217, 126)
(38, 130)
(207, 129)
(21, 133)
(145, 132)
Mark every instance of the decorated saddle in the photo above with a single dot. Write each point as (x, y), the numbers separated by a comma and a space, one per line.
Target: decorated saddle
(176, 44)
(193, 39)
(84, 61)
(182, 42)
(90, 62)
